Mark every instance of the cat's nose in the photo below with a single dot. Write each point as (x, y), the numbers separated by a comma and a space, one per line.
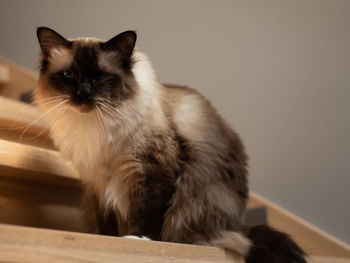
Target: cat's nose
(84, 90)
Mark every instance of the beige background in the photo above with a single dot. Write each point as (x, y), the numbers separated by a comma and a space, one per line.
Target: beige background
(278, 71)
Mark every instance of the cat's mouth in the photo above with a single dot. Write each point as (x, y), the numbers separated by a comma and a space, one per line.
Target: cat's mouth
(84, 108)
(83, 105)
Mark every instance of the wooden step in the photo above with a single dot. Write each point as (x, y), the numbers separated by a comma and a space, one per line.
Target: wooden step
(23, 123)
(32, 245)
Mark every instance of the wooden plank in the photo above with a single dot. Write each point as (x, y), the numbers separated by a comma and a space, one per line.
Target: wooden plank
(32, 245)
(38, 188)
(23, 244)
(23, 123)
(15, 156)
(16, 113)
(44, 205)
(328, 260)
(312, 239)
(20, 80)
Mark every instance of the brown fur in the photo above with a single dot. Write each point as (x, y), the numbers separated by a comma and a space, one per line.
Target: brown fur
(164, 164)
(177, 181)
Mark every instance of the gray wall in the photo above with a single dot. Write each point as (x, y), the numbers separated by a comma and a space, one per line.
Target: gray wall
(278, 71)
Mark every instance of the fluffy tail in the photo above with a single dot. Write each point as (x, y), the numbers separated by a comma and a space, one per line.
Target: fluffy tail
(261, 244)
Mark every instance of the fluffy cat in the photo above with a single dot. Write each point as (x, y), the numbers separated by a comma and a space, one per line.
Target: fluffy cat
(157, 160)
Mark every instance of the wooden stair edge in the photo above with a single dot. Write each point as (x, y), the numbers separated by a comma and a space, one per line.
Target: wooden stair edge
(327, 260)
(24, 123)
(14, 114)
(303, 231)
(34, 159)
(28, 244)
(38, 245)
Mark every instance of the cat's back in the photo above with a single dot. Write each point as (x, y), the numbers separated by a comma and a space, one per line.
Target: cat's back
(195, 117)
(218, 159)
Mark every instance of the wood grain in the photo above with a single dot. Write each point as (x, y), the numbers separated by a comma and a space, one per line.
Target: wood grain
(34, 159)
(32, 245)
(23, 244)
(23, 123)
(37, 188)
(29, 203)
(328, 260)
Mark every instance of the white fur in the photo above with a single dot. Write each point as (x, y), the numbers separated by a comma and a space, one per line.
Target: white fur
(189, 116)
(234, 241)
(117, 190)
(136, 237)
(81, 139)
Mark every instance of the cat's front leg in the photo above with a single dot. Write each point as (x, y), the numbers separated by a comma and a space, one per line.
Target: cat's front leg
(89, 212)
(94, 220)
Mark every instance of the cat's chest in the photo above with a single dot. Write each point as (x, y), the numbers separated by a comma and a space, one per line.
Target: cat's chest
(81, 142)
(103, 161)
(102, 165)
(113, 182)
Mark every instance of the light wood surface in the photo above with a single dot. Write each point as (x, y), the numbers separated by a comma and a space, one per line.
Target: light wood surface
(23, 123)
(19, 80)
(34, 159)
(32, 245)
(38, 188)
(22, 244)
(328, 260)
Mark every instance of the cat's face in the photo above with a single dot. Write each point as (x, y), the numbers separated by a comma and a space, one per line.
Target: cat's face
(86, 72)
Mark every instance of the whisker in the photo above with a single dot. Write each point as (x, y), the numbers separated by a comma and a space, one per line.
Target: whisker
(56, 121)
(62, 109)
(41, 117)
(107, 127)
(53, 97)
(25, 126)
(113, 113)
(110, 132)
(118, 119)
(100, 119)
(129, 109)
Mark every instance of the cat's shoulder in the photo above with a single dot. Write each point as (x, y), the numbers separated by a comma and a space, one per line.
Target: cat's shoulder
(187, 97)
(193, 114)
(178, 92)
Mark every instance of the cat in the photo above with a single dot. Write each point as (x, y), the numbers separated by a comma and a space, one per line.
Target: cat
(156, 160)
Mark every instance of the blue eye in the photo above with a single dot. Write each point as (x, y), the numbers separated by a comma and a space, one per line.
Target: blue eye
(101, 75)
(68, 74)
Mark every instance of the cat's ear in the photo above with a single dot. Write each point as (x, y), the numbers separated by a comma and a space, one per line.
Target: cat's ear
(49, 39)
(123, 43)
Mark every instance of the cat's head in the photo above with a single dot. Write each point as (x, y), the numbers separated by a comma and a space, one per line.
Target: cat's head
(85, 72)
